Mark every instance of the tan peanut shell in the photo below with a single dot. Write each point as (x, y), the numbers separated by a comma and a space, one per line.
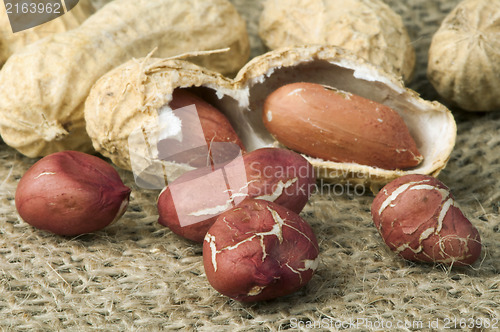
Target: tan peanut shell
(12, 42)
(132, 95)
(368, 28)
(431, 124)
(464, 57)
(43, 87)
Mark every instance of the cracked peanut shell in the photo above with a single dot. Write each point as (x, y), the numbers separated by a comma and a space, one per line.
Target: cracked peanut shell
(135, 93)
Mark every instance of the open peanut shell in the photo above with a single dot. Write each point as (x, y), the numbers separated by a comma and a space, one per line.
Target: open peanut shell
(135, 92)
(125, 108)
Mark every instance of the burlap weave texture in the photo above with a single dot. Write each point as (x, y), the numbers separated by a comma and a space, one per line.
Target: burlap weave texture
(137, 275)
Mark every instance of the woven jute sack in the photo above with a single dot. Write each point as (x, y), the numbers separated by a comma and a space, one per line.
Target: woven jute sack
(138, 275)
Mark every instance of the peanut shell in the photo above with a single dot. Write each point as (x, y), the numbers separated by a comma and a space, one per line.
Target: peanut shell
(133, 96)
(464, 57)
(431, 124)
(368, 28)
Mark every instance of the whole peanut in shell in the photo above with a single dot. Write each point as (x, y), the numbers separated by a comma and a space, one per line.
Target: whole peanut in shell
(335, 125)
(277, 175)
(368, 28)
(43, 87)
(418, 219)
(71, 193)
(258, 251)
(464, 62)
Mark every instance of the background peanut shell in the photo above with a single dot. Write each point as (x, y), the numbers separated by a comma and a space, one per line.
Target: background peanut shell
(368, 28)
(464, 57)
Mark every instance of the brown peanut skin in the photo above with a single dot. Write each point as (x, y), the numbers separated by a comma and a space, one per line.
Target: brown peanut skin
(216, 128)
(334, 125)
(259, 251)
(269, 170)
(417, 217)
(71, 193)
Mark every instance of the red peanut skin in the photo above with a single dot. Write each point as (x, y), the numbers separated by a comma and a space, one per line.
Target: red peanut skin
(259, 251)
(334, 125)
(216, 128)
(264, 168)
(71, 193)
(167, 209)
(411, 222)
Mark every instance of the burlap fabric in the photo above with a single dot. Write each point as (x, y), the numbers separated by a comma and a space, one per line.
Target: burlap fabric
(137, 275)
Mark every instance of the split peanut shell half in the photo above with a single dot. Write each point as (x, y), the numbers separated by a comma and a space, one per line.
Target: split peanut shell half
(139, 91)
(431, 124)
(127, 113)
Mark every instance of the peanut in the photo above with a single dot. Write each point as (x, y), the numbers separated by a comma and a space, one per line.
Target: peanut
(335, 125)
(71, 193)
(191, 204)
(259, 251)
(419, 219)
(216, 128)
